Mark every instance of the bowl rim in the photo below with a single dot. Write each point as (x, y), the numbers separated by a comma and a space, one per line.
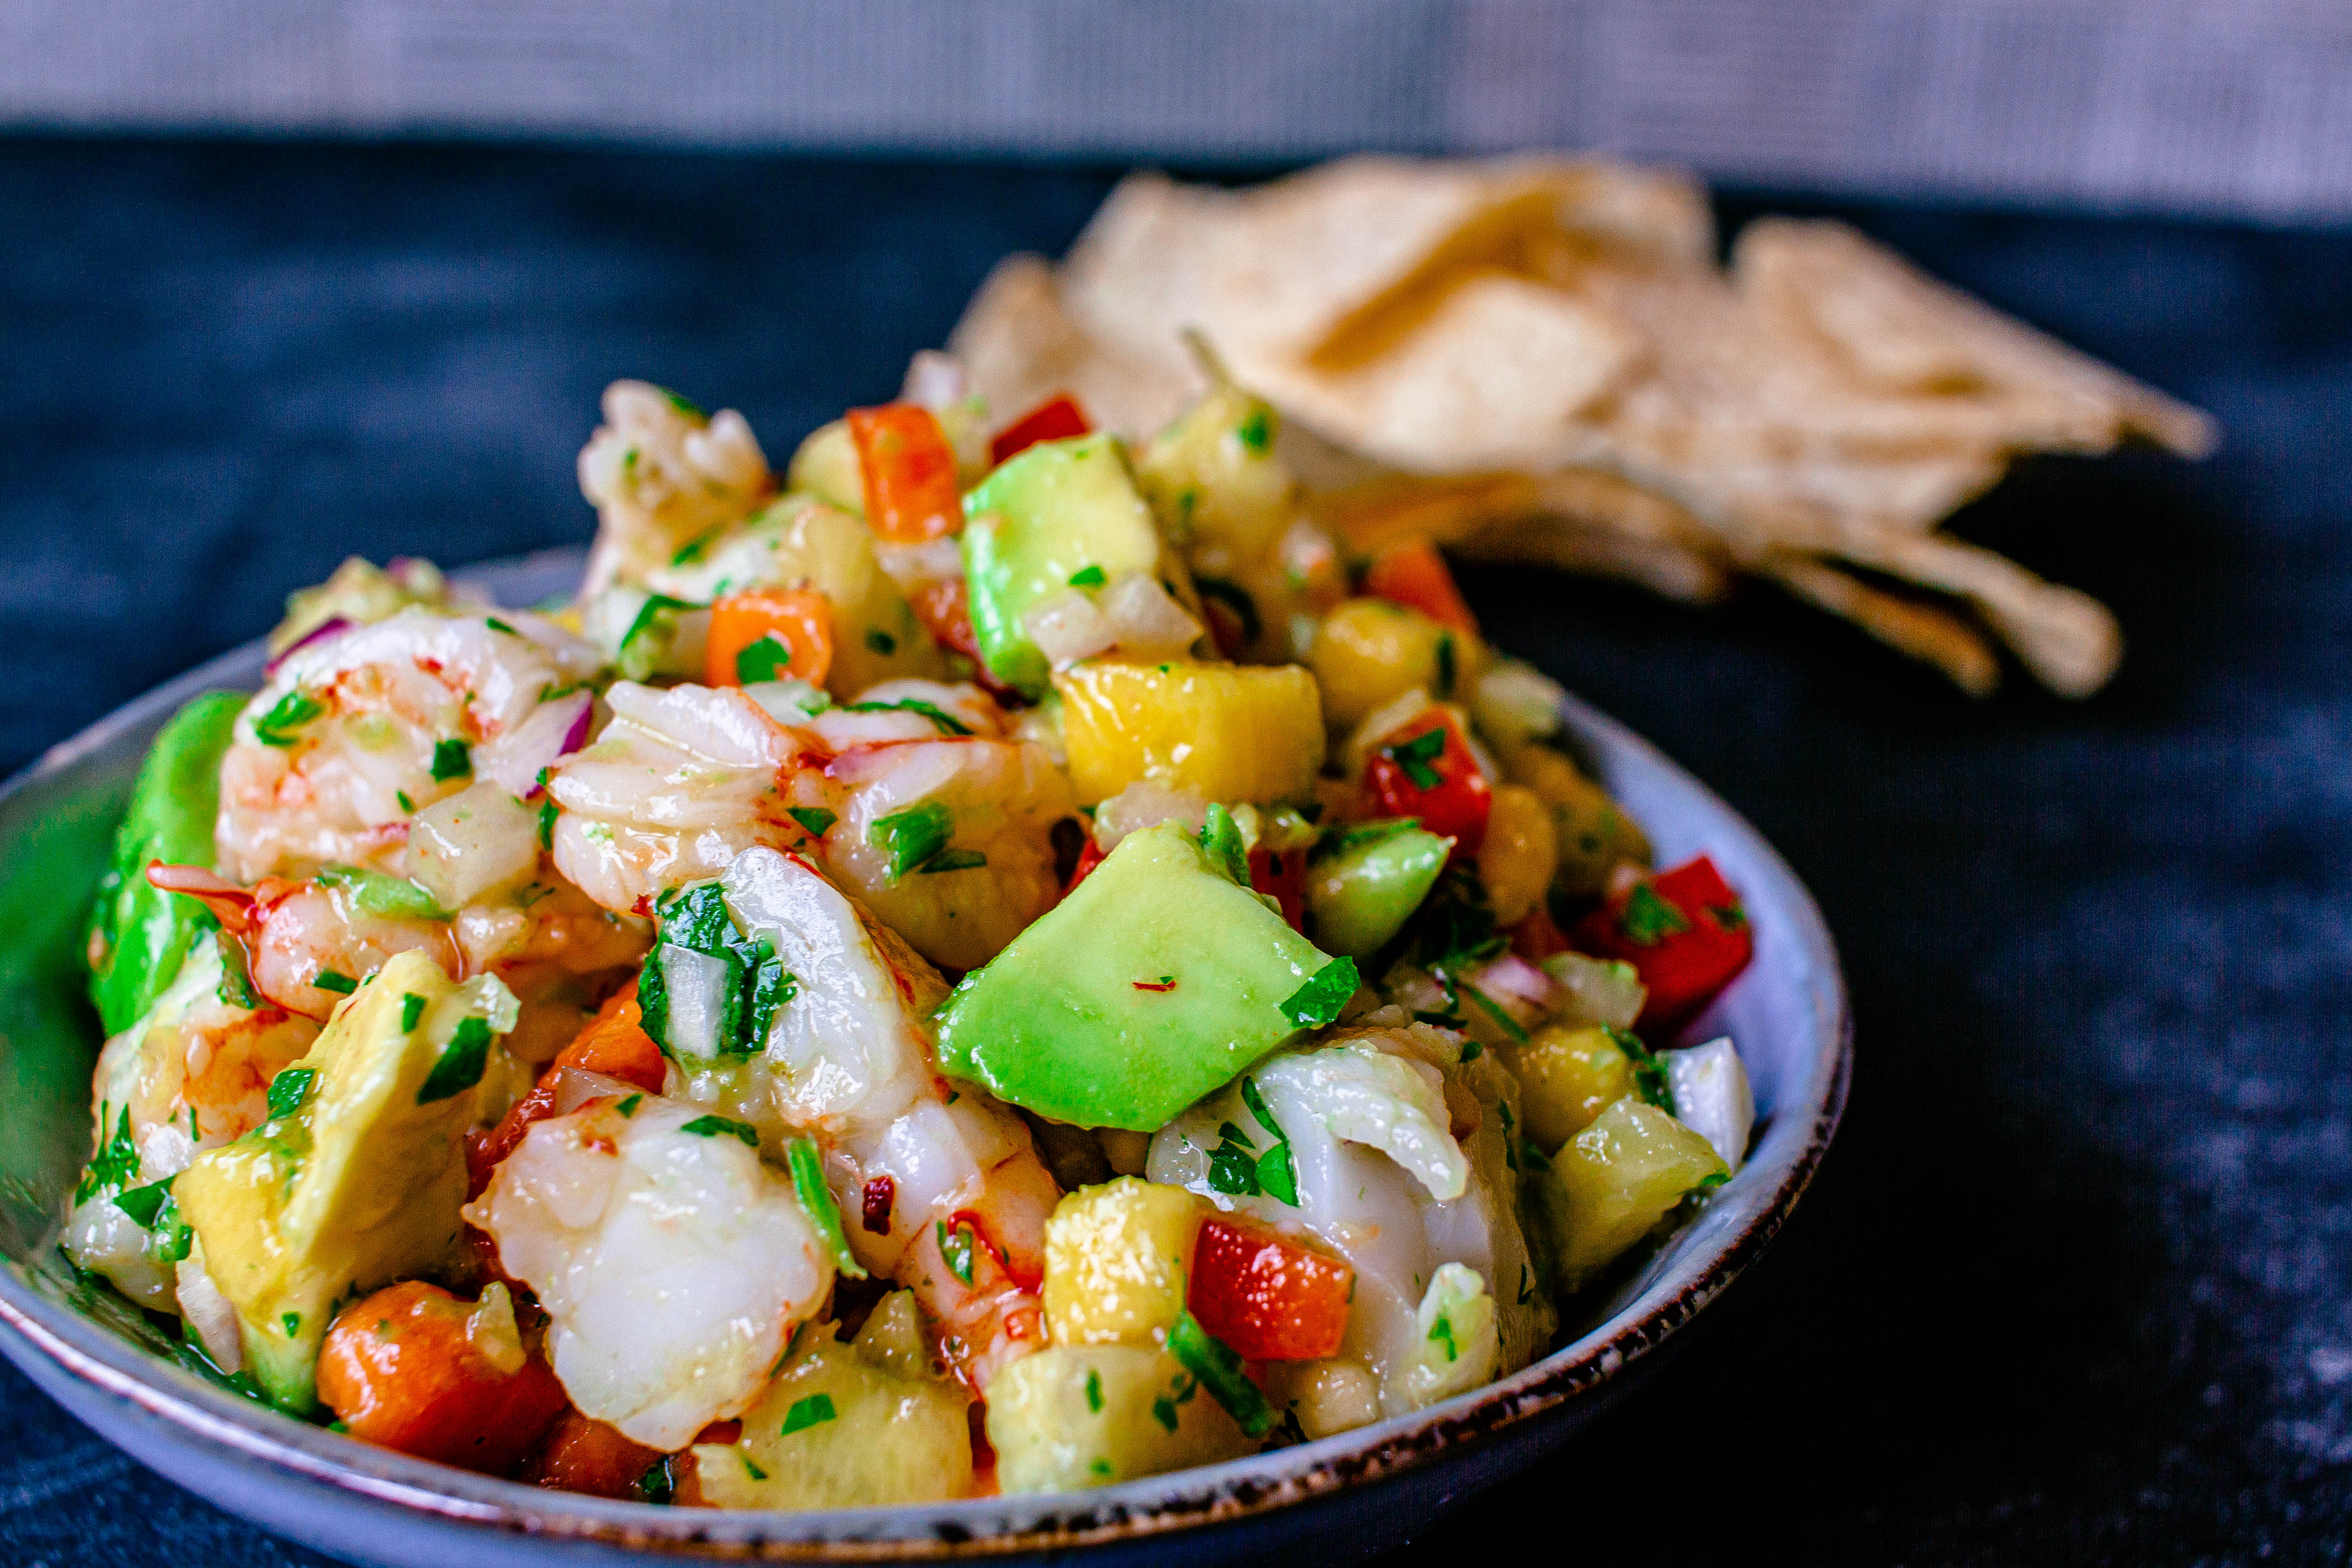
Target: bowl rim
(981, 1527)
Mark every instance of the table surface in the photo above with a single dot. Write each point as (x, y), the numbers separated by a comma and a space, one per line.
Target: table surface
(2076, 1283)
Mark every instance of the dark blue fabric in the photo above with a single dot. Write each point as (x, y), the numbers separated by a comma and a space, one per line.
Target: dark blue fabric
(2075, 1283)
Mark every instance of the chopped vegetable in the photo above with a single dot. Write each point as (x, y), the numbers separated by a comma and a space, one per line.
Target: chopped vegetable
(1055, 419)
(908, 473)
(1685, 933)
(768, 634)
(1425, 769)
(1269, 1297)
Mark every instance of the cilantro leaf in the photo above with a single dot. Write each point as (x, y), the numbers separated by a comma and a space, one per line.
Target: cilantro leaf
(766, 659)
(813, 1411)
(461, 1063)
(815, 820)
(721, 1126)
(291, 711)
(1318, 1001)
(947, 723)
(452, 759)
(1414, 757)
(1648, 919)
(290, 1087)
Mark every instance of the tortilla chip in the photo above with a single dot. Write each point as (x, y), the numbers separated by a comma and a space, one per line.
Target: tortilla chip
(1019, 347)
(1922, 631)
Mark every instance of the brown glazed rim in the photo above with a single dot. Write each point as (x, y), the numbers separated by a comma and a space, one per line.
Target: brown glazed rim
(990, 1527)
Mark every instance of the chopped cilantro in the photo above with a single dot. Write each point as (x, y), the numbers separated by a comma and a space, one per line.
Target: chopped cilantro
(1256, 433)
(461, 1064)
(751, 1469)
(1326, 990)
(913, 836)
(1493, 1009)
(1648, 919)
(683, 404)
(953, 860)
(412, 1011)
(816, 1202)
(880, 641)
(336, 980)
(948, 724)
(276, 727)
(1180, 1393)
(293, 1322)
(719, 1126)
(547, 811)
(1650, 1078)
(451, 760)
(143, 1204)
(660, 1483)
(290, 1088)
(116, 1161)
(1218, 1368)
(691, 551)
(1414, 757)
(496, 625)
(1343, 836)
(1094, 1391)
(955, 1247)
(813, 1411)
(1088, 577)
(1730, 917)
(766, 659)
(1441, 1332)
(628, 1106)
(235, 987)
(815, 819)
(405, 804)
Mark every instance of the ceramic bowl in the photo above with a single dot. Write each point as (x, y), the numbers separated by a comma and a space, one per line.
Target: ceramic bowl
(1341, 1496)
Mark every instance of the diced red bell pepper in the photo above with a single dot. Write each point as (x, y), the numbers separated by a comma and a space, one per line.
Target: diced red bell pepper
(1089, 858)
(909, 471)
(1055, 419)
(1684, 931)
(1425, 769)
(1282, 877)
(1269, 1297)
(1411, 572)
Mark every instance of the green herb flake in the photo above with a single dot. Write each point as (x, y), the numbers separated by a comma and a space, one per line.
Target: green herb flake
(291, 1087)
(293, 1323)
(461, 1063)
(1278, 1174)
(1493, 1009)
(817, 1202)
(751, 1469)
(719, 1126)
(1318, 1002)
(658, 1485)
(945, 722)
(691, 551)
(1218, 1368)
(1416, 755)
(496, 625)
(406, 805)
(1101, 1468)
(1256, 433)
(913, 836)
(813, 1411)
(1648, 919)
(276, 727)
(1220, 841)
(1094, 1391)
(452, 759)
(1730, 917)
(1651, 1082)
(336, 980)
(766, 659)
(411, 1012)
(116, 1161)
(1446, 668)
(955, 1248)
(235, 987)
(814, 819)
(881, 642)
(547, 812)
(1441, 1332)
(1088, 577)
(628, 1106)
(952, 860)
(143, 1204)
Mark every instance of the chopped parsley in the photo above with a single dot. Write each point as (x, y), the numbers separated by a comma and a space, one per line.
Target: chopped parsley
(813, 1411)
(1088, 577)
(461, 1063)
(276, 727)
(1416, 755)
(815, 820)
(1648, 919)
(1326, 990)
(766, 659)
(290, 1089)
(721, 1126)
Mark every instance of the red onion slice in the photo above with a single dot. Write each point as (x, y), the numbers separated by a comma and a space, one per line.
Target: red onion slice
(331, 626)
(553, 730)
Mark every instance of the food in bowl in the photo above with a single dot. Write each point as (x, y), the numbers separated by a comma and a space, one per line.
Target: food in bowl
(999, 961)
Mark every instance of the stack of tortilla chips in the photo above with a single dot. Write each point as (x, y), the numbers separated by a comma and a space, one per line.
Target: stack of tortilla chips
(1540, 360)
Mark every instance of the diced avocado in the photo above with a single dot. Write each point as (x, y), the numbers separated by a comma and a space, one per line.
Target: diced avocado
(144, 932)
(1157, 980)
(1368, 881)
(1041, 519)
(360, 1183)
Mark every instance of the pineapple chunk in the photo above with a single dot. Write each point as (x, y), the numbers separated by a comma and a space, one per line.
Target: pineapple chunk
(1070, 1417)
(1225, 732)
(1370, 652)
(1458, 1345)
(1118, 1258)
(845, 1426)
(1567, 1078)
(1611, 1183)
(1520, 853)
(1593, 837)
(826, 467)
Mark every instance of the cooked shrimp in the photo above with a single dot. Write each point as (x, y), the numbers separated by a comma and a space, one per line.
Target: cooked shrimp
(661, 474)
(1402, 1157)
(680, 783)
(941, 1190)
(191, 1074)
(992, 803)
(355, 731)
(674, 1265)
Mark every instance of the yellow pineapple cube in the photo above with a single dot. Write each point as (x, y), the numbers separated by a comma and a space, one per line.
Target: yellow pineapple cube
(1118, 1260)
(1225, 732)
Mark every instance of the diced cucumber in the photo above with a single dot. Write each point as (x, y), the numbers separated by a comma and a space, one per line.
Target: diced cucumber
(1360, 894)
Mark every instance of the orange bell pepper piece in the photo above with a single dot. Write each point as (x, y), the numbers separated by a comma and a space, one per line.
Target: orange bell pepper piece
(400, 1371)
(909, 470)
(614, 1043)
(1269, 1297)
(1411, 572)
(766, 633)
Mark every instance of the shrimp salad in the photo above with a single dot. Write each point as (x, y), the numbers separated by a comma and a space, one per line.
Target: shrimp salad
(998, 958)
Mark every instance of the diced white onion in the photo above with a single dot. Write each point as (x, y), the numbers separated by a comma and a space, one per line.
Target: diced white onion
(1141, 805)
(208, 1312)
(1514, 702)
(1068, 627)
(698, 986)
(1712, 1097)
(575, 1086)
(788, 701)
(1146, 621)
(1599, 991)
(475, 842)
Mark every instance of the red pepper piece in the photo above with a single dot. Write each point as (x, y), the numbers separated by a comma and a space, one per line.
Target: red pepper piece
(1055, 419)
(1089, 858)
(1411, 572)
(1684, 931)
(909, 471)
(1425, 769)
(400, 1371)
(1269, 1297)
(1284, 878)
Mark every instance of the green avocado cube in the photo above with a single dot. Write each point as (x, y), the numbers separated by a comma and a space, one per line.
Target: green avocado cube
(1059, 512)
(1156, 981)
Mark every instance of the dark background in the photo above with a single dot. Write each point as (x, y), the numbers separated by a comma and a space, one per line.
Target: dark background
(2076, 1283)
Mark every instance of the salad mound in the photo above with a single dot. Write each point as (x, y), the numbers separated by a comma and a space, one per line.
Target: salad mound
(999, 959)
